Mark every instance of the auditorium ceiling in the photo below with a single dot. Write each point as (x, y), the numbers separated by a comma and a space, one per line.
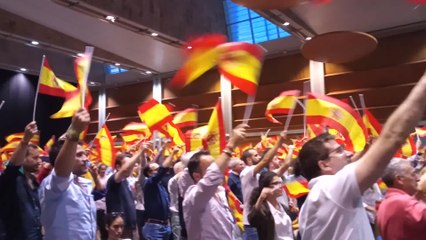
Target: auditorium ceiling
(64, 27)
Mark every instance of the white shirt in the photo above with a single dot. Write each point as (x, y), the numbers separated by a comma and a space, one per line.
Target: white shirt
(283, 228)
(333, 209)
(173, 193)
(369, 198)
(248, 183)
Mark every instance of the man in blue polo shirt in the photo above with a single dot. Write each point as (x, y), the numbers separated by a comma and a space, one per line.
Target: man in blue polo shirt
(157, 212)
(19, 202)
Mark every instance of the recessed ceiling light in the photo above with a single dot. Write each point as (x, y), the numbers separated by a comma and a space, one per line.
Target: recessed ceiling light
(189, 47)
(286, 23)
(110, 18)
(23, 69)
(117, 64)
(35, 43)
(154, 34)
(148, 72)
(80, 54)
(308, 38)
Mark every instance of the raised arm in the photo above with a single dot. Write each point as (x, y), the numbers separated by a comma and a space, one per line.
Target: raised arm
(289, 160)
(64, 162)
(396, 130)
(128, 166)
(238, 134)
(270, 154)
(18, 156)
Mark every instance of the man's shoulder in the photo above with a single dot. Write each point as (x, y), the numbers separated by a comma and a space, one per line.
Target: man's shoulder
(246, 171)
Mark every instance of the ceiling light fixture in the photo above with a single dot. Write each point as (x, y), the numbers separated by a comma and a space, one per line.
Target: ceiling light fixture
(35, 43)
(189, 47)
(154, 34)
(110, 18)
(308, 38)
(23, 69)
(117, 64)
(80, 54)
(286, 23)
(148, 72)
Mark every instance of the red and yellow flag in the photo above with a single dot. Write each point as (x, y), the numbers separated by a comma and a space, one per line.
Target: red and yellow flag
(328, 111)
(216, 140)
(241, 64)
(51, 85)
(281, 105)
(203, 56)
(234, 204)
(421, 132)
(186, 118)
(409, 148)
(154, 114)
(16, 137)
(297, 187)
(373, 126)
(49, 144)
(137, 129)
(105, 146)
(238, 62)
(195, 138)
(174, 133)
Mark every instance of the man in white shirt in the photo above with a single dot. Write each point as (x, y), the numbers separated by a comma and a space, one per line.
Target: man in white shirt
(333, 208)
(249, 180)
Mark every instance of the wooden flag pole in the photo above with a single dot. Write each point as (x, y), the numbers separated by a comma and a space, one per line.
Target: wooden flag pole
(38, 88)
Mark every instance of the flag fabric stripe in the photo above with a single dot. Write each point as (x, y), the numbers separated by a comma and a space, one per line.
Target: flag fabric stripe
(154, 114)
(371, 123)
(216, 140)
(51, 85)
(331, 112)
(14, 136)
(281, 105)
(186, 118)
(105, 146)
(421, 132)
(248, 87)
(296, 189)
(195, 138)
(174, 133)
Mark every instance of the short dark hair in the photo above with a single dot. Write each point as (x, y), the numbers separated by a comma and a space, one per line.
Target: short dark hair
(311, 153)
(120, 157)
(54, 151)
(146, 171)
(30, 145)
(246, 154)
(194, 162)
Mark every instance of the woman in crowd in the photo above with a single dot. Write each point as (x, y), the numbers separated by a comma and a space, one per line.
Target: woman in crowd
(267, 215)
(114, 225)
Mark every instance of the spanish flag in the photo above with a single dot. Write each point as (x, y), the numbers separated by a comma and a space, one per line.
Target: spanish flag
(409, 148)
(51, 85)
(328, 111)
(373, 126)
(105, 146)
(73, 101)
(281, 105)
(154, 114)
(203, 56)
(216, 140)
(136, 128)
(421, 132)
(234, 204)
(49, 144)
(195, 138)
(186, 118)
(174, 133)
(296, 188)
(16, 137)
(241, 64)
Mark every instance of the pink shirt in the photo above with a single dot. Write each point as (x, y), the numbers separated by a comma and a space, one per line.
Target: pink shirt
(206, 211)
(401, 216)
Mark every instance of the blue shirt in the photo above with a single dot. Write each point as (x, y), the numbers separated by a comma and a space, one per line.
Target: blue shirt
(156, 197)
(19, 205)
(234, 183)
(68, 211)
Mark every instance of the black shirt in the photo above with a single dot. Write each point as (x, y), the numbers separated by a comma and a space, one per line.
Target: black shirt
(156, 197)
(19, 205)
(119, 198)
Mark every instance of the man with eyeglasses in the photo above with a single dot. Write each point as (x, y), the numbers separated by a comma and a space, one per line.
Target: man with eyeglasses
(333, 209)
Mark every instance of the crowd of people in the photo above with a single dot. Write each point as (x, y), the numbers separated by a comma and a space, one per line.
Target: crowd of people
(183, 197)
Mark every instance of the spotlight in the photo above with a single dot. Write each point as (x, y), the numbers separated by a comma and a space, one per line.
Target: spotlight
(117, 64)
(80, 54)
(308, 38)
(154, 34)
(110, 18)
(286, 23)
(23, 69)
(148, 72)
(35, 43)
